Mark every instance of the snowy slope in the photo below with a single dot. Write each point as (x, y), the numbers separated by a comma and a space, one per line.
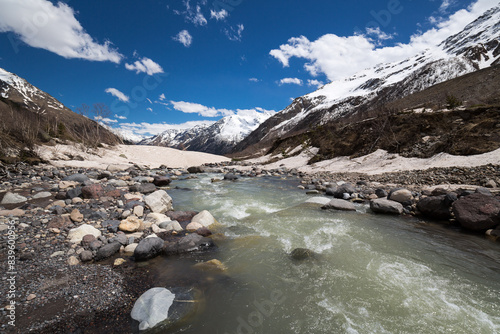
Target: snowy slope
(218, 138)
(475, 47)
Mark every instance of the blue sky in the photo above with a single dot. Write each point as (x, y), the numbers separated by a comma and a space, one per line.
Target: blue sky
(163, 64)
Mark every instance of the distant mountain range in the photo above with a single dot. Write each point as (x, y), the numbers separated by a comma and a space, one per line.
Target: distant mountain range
(217, 138)
(29, 116)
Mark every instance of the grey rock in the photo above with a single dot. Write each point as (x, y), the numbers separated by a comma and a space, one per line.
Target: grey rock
(143, 188)
(300, 254)
(81, 178)
(381, 193)
(43, 194)
(95, 245)
(339, 204)
(111, 225)
(148, 248)
(382, 205)
(120, 238)
(190, 243)
(159, 201)
(482, 190)
(400, 195)
(75, 192)
(107, 251)
(86, 256)
(152, 307)
(11, 198)
(436, 207)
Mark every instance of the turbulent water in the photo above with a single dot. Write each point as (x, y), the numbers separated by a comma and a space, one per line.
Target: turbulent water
(373, 273)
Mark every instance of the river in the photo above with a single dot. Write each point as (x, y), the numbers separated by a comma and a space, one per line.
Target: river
(373, 273)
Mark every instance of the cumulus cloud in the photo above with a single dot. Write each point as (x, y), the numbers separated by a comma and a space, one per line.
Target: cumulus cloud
(293, 81)
(234, 33)
(41, 24)
(145, 65)
(315, 83)
(339, 57)
(253, 80)
(184, 37)
(162, 97)
(221, 15)
(196, 108)
(120, 117)
(116, 93)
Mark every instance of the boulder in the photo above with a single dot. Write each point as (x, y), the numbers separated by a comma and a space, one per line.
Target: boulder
(107, 250)
(159, 201)
(339, 204)
(161, 181)
(171, 226)
(11, 198)
(190, 243)
(382, 205)
(196, 170)
(76, 235)
(152, 307)
(148, 248)
(204, 218)
(345, 188)
(193, 226)
(318, 200)
(437, 207)
(477, 212)
(400, 195)
(231, 177)
(381, 193)
(300, 254)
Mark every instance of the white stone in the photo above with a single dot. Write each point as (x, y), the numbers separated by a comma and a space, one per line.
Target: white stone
(159, 201)
(157, 218)
(129, 249)
(401, 196)
(139, 210)
(204, 218)
(156, 229)
(193, 227)
(318, 200)
(173, 226)
(152, 307)
(43, 194)
(76, 234)
(11, 198)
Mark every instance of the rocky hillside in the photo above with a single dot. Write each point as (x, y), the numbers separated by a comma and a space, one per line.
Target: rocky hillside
(31, 116)
(370, 91)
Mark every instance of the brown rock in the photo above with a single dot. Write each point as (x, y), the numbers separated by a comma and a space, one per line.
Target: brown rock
(94, 191)
(131, 224)
(87, 240)
(14, 213)
(76, 216)
(60, 222)
(477, 212)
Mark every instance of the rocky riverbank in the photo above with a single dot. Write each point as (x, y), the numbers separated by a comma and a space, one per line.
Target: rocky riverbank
(80, 234)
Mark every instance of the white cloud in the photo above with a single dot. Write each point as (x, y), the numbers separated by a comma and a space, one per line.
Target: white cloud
(116, 93)
(149, 100)
(41, 24)
(293, 81)
(254, 80)
(149, 109)
(105, 120)
(379, 34)
(235, 33)
(162, 97)
(184, 38)
(339, 57)
(221, 15)
(445, 5)
(315, 82)
(120, 117)
(145, 65)
(196, 108)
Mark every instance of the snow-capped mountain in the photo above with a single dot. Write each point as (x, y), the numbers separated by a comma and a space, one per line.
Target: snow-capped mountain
(218, 138)
(17, 89)
(476, 47)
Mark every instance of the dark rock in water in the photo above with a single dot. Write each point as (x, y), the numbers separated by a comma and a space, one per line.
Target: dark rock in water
(300, 254)
(161, 181)
(148, 248)
(190, 243)
(181, 216)
(111, 225)
(231, 177)
(204, 232)
(436, 207)
(107, 250)
(196, 170)
(75, 192)
(94, 191)
(330, 191)
(81, 178)
(382, 205)
(381, 193)
(143, 188)
(339, 204)
(477, 212)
